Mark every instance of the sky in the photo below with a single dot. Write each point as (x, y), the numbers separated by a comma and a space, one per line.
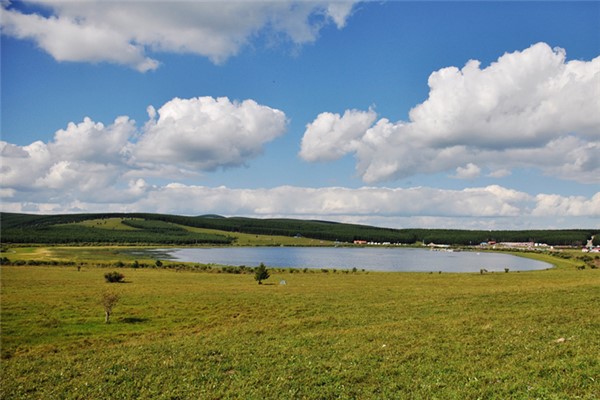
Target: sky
(470, 115)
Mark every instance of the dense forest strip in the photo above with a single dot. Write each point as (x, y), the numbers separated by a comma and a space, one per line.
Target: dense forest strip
(160, 228)
(146, 232)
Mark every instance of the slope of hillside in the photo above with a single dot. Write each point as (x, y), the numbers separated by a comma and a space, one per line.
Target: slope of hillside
(144, 228)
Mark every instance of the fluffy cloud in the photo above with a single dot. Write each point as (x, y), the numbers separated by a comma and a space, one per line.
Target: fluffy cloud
(91, 161)
(530, 108)
(205, 133)
(331, 136)
(469, 171)
(124, 32)
(93, 142)
(551, 204)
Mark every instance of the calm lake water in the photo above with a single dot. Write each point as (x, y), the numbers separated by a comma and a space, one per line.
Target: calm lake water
(369, 258)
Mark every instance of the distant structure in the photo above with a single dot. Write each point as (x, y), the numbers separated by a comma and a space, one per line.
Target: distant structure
(589, 247)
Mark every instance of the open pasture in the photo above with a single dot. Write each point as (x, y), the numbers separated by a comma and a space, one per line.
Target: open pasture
(192, 335)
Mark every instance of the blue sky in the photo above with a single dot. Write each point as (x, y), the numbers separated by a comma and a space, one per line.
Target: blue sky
(367, 112)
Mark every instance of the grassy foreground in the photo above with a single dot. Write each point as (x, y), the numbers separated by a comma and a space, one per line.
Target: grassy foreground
(189, 335)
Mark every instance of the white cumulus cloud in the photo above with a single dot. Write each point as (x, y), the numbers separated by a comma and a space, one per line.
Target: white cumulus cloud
(125, 32)
(530, 108)
(205, 133)
(91, 161)
(555, 205)
(331, 136)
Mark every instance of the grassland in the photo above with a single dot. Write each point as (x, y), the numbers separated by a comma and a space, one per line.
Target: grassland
(191, 335)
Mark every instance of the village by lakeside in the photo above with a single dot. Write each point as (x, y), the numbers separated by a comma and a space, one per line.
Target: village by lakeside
(589, 247)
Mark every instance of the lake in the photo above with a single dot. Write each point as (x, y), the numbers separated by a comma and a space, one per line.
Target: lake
(368, 258)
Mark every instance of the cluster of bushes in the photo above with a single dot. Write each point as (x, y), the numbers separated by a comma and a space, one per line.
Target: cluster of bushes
(589, 261)
(242, 269)
(7, 261)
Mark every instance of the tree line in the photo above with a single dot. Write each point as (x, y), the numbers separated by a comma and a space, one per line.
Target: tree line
(147, 232)
(165, 228)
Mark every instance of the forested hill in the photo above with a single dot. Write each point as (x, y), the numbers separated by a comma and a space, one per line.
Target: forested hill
(164, 228)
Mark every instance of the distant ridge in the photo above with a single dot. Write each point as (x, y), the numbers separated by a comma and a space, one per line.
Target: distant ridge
(166, 228)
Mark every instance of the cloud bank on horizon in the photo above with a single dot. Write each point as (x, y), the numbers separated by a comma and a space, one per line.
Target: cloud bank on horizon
(529, 109)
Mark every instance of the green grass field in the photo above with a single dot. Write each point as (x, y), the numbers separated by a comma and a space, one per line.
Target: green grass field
(192, 335)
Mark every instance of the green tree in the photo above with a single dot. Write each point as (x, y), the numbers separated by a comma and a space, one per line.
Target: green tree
(261, 273)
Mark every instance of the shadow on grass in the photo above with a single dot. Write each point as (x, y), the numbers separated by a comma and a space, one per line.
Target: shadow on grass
(133, 320)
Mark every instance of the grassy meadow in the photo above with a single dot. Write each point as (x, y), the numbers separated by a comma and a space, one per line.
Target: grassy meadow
(194, 335)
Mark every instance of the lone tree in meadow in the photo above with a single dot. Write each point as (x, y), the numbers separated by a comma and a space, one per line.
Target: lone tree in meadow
(261, 273)
(108, 301)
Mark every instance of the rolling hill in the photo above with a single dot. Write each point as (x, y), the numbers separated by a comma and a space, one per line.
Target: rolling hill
(145, 228)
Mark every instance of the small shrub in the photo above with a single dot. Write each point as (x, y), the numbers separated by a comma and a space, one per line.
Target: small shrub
(158, 263)
(108, 300)
(114, 277)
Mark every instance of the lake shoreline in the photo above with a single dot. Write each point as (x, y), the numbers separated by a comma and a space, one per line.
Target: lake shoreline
(383, 259)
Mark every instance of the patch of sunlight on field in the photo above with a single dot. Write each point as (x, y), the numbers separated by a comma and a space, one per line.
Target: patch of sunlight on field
(84, 254)
(36, 253)
(249, 239)
(108, 223)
